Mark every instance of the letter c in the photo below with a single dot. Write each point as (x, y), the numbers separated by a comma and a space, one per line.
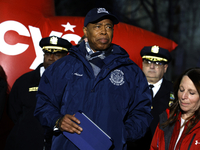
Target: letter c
(20, 29)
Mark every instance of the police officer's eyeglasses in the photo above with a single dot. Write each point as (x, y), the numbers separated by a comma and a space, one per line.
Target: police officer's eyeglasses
(156, 63)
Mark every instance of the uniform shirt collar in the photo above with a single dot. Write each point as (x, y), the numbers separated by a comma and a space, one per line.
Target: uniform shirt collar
(156, 86)
(42, 69)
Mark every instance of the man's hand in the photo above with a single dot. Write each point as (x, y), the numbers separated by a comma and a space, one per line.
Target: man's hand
(69, 123)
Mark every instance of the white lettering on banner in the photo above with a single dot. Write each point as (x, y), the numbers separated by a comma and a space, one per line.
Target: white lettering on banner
(71, 37)
(58, 34)
(36, 36)
(20, 29)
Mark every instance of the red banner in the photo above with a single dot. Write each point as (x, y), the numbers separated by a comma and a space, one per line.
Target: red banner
(24, 22)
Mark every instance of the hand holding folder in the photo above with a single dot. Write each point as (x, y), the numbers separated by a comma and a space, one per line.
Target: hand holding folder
(91, 138)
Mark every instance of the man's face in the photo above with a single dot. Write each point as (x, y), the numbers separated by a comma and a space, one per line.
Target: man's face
(99, 34)
(49, 58)
(153, 72)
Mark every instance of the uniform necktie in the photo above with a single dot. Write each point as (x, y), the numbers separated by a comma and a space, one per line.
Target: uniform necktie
(150, 87)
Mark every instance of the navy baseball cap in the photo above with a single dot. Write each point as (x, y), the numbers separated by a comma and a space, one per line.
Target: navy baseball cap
(96, 14)
(54, 44)
(155, 53)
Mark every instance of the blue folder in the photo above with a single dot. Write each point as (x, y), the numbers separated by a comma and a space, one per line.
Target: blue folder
(91, 138)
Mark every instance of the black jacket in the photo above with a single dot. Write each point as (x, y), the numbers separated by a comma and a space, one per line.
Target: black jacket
(160, 103)
(27, 133)
(3, 90)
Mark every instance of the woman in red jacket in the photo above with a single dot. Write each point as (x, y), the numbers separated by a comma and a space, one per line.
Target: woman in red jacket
(179, 126)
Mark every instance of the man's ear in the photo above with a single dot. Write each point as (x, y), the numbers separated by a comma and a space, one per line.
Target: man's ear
(85, 31)
(165, 67)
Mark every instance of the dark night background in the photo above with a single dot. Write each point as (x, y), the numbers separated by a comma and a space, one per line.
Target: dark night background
(177, 20)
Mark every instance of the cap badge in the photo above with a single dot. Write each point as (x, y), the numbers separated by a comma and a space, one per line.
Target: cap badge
(155, 49)
(54, 40)
(102, 10)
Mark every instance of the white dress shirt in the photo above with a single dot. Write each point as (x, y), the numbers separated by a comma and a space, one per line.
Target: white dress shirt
(156, 86)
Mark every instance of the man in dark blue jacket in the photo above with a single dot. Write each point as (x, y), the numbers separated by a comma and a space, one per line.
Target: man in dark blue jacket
(98, 78)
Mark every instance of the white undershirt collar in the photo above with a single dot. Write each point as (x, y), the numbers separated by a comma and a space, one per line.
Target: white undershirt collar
(42, 69)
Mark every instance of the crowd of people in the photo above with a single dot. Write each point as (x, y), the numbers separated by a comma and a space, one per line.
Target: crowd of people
(137, 108)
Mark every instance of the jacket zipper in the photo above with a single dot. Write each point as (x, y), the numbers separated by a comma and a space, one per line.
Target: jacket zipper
(157, 142)
(191, 141)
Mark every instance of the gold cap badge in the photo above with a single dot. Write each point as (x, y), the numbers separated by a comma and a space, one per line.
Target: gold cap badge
(54, 40)
(155, 49)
